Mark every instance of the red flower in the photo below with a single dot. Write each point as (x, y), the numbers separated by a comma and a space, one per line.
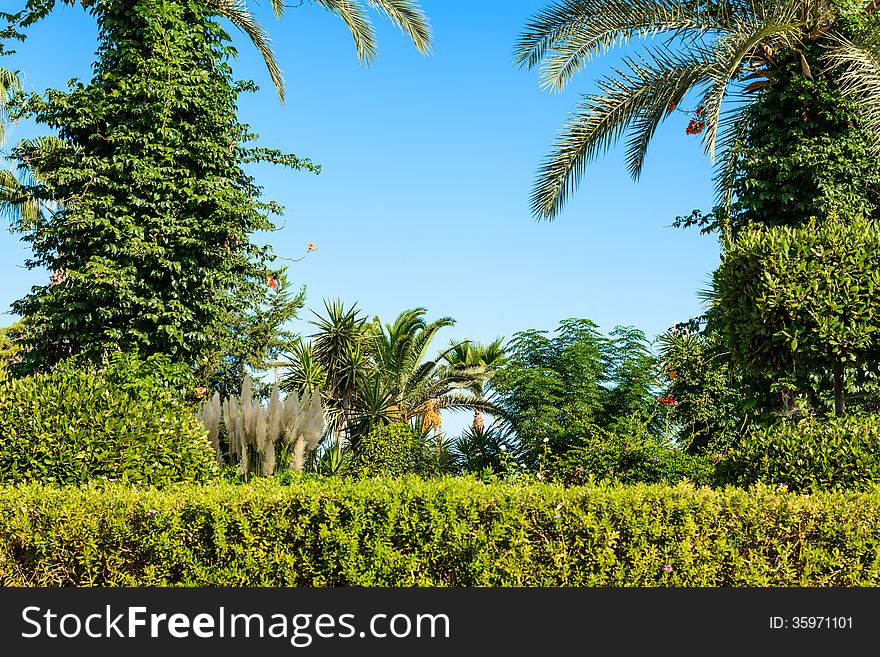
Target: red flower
(670, 107)
(311, 246)
(672, 374)
(700, 111)
(695, 127)
(271, 282)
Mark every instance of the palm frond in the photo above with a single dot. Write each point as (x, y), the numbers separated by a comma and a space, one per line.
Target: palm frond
(358, 23)
(238, 14)
(601, 119)
(725, 57)
(599, 25)
(859, 64)
(410, 18)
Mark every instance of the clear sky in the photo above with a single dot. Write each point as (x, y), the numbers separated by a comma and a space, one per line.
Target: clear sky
(428, 164)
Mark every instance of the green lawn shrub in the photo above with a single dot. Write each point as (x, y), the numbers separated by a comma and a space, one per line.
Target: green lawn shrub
(816, 454)
(440, 532)
(628, 459)
(392, 450)
(79, 424)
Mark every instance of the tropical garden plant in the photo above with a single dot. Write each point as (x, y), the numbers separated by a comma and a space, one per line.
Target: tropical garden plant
(734, 68)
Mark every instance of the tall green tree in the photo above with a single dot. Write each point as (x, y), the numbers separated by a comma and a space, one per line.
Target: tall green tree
(718, 58)
(567, 386)
(150, 243)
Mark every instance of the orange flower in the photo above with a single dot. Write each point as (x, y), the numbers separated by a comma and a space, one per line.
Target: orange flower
(672, 374)
(312, 246)
(200, 391)
(271, 282)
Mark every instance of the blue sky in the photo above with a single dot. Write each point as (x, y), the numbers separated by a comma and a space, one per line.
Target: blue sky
(428, 163)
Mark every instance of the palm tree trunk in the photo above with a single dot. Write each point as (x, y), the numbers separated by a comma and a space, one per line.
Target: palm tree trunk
(478, 421)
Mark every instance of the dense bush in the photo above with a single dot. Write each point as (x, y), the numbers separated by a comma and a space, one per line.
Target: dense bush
(390, 451)
(817, 454)
(796, 304)
(80, 423)
(442, 532)
(628, 458)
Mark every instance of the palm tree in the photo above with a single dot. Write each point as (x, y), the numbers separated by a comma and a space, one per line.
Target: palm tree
(406, 14)
(723, 50)
(475, 354)
(406, 384)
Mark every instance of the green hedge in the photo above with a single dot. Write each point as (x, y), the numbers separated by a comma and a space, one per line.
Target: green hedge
(445, 532)
(392, 450)
(817, 454)
(79, 424)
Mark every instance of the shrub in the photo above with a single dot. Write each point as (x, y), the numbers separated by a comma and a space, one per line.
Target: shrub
(815, 454)
(76, 424)
(439, 532)
(392, 450)
(628, 459)
(796, 302)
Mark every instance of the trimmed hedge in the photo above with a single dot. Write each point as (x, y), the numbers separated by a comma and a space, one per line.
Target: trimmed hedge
(392, 450)
(816, 454)
(79, 424)
(446, 532)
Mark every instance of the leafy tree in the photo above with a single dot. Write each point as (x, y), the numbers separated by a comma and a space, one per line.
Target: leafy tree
(10, 347)
(713, 405)
(710, 52)
(565, 387)
(798, 302)
(150, 244)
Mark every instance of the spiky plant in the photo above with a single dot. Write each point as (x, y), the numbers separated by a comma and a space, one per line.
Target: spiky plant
(723, 54)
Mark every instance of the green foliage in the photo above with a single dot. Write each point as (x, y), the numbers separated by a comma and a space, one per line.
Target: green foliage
(814, 454)
(151, 243)
(795, 302)
(709, 403)
(553, 387)
(486, 449)
(628, 458)
(806, 155)
(447, 532)
(392, 450)
(779, 62)
(79, 424)
(9, 347)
